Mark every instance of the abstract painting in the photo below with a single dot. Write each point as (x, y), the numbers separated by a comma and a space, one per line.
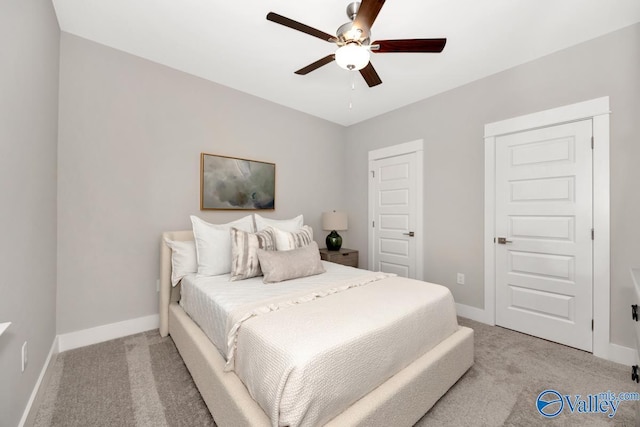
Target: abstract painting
(232, 183)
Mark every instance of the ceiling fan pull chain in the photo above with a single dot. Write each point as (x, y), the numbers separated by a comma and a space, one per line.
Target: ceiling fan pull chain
(353, 87)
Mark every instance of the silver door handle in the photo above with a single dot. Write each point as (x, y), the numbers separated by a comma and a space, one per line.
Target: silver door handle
(503, 241)
(410, 234)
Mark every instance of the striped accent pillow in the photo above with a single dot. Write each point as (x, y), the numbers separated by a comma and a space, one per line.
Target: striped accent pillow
(244, 248)
(286, 241)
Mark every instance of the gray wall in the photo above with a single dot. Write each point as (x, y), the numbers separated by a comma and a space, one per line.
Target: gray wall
(131, 134)
(452, 126)
(29, 44)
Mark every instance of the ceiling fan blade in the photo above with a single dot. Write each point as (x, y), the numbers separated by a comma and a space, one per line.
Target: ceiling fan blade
(410, 45)
(370, 76)
(367, 13)
(314, 66)
(279, 19)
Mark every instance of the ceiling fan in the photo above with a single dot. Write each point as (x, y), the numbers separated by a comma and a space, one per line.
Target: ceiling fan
(354, 41)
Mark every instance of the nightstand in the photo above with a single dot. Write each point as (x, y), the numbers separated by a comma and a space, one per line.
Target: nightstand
(343, 256)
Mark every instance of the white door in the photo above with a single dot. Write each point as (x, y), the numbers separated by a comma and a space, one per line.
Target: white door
(394, 191)
(544, 283)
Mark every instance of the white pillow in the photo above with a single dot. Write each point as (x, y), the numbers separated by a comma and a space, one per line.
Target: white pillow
(183, 259)
(293, 224)
(286, 241)
(213, 244)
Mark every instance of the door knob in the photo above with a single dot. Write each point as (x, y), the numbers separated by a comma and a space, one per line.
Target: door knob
(503, 241)
(410, 234)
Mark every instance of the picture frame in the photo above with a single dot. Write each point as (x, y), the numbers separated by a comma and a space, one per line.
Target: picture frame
(232, 183)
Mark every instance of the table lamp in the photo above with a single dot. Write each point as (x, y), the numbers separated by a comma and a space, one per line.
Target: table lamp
(334, 221)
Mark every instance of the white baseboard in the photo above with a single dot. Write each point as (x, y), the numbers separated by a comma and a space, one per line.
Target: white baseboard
(36, 388)
(474, 313)
(85, 337)
(622, 354)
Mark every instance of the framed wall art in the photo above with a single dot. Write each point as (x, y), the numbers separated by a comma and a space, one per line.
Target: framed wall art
(236, 184)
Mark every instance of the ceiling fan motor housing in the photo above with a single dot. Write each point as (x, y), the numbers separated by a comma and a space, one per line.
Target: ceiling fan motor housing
(352, 10)
(349, 33)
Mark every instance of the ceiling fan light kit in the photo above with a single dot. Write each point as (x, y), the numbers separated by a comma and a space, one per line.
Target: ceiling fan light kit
(352, 57)
(353, 41)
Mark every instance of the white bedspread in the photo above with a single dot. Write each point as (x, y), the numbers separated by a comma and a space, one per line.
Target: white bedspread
(306, 363)
(210, 300)
(309, 348)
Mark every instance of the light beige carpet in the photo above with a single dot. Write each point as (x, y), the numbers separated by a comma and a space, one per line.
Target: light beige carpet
(133, 381)
(510, 371)
(141, 381)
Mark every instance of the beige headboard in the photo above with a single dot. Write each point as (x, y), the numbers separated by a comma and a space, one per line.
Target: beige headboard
(168, 294)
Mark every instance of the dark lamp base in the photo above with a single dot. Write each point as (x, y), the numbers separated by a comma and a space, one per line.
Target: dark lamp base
(334, 241)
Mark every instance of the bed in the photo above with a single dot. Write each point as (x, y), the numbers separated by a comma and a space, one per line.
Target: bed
(400, 400)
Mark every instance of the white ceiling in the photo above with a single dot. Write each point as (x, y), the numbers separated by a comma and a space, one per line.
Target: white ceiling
(231, 43)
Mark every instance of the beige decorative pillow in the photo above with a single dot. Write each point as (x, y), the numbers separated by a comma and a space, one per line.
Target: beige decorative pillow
(278, 266)
(244, 247)
(286, 241)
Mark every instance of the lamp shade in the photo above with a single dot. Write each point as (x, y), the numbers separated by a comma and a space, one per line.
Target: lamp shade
(352, 57)
(334, 220)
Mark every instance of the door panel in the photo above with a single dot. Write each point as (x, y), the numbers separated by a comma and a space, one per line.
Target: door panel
(542, 303)
(542, 227)
(544, 210)
(543, 152)
(542, 190)
(398, 197)
(394, 247)
(399, 269)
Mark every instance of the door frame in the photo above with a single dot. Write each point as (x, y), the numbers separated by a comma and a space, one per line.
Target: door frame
(597, 110)
(417, 147)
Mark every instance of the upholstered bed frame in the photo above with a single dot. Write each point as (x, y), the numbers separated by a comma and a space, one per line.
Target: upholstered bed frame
(400, 401)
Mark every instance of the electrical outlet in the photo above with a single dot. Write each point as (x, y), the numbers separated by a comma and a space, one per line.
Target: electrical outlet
(24, 356)
(460, 279)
